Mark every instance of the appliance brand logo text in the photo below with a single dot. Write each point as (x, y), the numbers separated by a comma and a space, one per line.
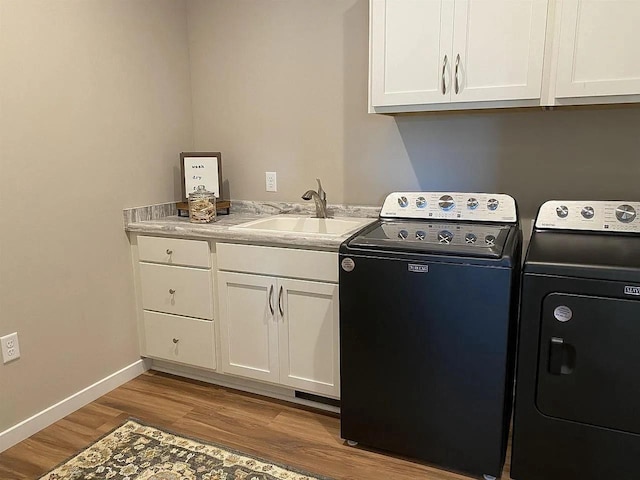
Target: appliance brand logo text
(629, 290)
(414, 267)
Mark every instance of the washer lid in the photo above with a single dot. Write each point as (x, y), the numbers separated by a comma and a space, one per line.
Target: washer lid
(468, 239)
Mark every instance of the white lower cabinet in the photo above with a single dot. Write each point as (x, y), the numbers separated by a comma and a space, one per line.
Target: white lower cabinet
(268, 314)
(175, 288)
(280, 330)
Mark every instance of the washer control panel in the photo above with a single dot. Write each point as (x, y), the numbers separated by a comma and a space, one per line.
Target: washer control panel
(482, 207)
(598, 216)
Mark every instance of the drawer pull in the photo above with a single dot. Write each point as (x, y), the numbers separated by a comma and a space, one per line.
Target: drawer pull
(176, 340)
(172, 291)
(169, 251)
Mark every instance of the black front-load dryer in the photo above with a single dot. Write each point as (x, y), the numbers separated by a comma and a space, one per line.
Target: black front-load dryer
(577, 411)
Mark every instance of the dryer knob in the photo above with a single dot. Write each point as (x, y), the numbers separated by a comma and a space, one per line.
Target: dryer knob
(472, 203)
(446, 202)
(626, 213)
(402, 201)
(588, 212)
(492, 204)
(421, 202)
(562, 211)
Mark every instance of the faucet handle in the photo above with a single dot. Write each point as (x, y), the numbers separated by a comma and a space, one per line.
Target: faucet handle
(321, 193)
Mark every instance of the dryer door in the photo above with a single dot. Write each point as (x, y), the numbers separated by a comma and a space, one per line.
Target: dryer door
(589, 362)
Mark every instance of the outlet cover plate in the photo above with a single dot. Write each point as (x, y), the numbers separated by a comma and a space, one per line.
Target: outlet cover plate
(271, 183)
(10, 347)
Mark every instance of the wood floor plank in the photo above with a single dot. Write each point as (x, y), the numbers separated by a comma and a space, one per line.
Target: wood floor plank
(272, 429)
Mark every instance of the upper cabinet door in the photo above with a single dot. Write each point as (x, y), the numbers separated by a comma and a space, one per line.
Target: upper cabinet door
(599, 48)
(410, 51)
(498, 50)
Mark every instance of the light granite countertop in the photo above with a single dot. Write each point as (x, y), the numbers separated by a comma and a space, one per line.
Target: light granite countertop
(163, 220)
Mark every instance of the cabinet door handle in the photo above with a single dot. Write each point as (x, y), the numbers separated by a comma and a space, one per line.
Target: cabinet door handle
(271, 300)
(171, 291)
(444, 83)
(457, 83)
(280, 307)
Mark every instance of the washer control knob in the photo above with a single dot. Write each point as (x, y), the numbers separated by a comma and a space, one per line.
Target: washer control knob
(626, 213)
(562, 211)
(492, 204)
(472, 203)
(470, 238)
(587, 212)
(445, 236)
(446, 202)
(403, 234)
(490, 240)
(420, 235)
(402, 201)
(421, 202)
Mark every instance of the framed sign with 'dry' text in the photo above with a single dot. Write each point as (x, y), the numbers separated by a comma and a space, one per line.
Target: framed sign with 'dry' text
(201, 168)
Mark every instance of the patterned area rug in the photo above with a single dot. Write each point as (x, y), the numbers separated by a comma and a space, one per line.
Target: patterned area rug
(138, 452)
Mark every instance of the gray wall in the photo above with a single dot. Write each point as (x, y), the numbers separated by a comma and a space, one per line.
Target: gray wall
(95, 103)
(282, 85)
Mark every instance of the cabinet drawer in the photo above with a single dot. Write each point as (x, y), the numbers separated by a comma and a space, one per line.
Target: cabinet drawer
(283, 262)
(180, 339)
(174, 251)
(179, 290)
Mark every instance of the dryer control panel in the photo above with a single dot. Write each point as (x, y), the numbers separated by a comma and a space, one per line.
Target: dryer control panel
(597, 216)
(480, 207)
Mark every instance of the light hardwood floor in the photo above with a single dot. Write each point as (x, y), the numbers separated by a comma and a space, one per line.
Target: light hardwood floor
(271, 429)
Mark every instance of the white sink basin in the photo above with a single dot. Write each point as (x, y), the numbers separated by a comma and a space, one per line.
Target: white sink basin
(315, 226)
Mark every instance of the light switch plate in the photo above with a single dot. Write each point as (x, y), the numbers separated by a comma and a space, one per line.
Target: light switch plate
(10, 347)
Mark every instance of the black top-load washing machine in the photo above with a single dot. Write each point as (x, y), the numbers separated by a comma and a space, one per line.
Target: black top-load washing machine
(428, 310)
(577, 413)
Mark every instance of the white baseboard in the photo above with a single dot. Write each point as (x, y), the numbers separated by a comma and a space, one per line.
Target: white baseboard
(52, 414)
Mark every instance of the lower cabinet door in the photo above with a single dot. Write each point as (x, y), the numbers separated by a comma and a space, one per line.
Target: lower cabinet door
(309, 336)
(179, 339)
(248, 325)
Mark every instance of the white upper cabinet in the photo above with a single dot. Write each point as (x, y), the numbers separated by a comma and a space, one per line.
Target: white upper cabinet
(411, 51)
(438, 54)
(598, 52)
(498, 49)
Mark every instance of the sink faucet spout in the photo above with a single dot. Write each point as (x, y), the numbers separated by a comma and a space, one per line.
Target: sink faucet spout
(320, 199)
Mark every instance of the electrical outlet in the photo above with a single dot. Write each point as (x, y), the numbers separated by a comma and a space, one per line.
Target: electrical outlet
(10, 347)
(271, 181)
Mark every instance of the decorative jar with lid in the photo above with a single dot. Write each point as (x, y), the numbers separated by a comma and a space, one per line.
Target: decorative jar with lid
(202, 206)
